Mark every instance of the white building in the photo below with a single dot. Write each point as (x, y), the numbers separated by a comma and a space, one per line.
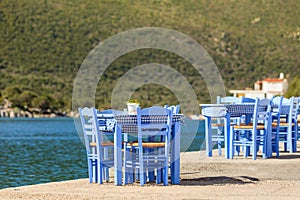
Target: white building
(266, 88)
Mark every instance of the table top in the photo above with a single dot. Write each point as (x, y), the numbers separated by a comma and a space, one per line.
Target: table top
(132, 118)
(128, 122)
(235, 110)
(219, 110)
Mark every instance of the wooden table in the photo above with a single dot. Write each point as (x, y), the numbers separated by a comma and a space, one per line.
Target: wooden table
(226, 111)
(127, 123)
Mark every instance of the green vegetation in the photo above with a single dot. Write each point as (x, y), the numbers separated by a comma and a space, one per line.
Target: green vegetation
(294, 88)
(43, 44)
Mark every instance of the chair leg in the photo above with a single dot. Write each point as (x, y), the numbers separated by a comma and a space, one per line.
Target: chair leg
(220, 140)
(106, 174)
(158, 175)
(289, 139)
(231, 143)
(295, 138)
(277, 145)
(141, 172)
(126, 170)
(150, 169)
(254, 148)
(90, 170)
(208, 137)
(137, 174)
(219, 147)
(100, 172)
(166, 168)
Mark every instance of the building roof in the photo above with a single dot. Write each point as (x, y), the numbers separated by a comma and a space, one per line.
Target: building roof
(273, 80)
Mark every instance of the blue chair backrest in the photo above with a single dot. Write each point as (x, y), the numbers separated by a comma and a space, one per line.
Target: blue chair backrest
(88, 117)
(285, 101)
(174, 108)
(289, 106)
(247, 100)
(154, 121)
(262, 112)
(276, 105)
(293, 108)
(228, 100)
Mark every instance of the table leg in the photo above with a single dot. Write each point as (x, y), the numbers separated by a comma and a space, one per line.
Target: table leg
(118, 155)
(175, 154)
(227, 142)
(208, 136)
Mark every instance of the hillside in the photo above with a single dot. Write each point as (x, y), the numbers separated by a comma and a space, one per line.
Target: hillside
(43, 44)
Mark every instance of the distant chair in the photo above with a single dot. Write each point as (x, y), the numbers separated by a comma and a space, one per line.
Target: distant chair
(99, 150)
(255, 134)
(276, 104)
(288, 124)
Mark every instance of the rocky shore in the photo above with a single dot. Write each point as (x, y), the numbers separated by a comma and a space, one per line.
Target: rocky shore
(18, 113)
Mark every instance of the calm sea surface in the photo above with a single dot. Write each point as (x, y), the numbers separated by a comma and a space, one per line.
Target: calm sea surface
(34, 151)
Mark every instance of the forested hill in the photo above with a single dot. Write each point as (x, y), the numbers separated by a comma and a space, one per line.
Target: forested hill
(44, 42)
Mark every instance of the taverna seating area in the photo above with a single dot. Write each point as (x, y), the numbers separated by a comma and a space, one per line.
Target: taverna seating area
(144, 146)
(141, 147)
(252, 127)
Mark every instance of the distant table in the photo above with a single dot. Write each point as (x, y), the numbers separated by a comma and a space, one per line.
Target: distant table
(225, 111)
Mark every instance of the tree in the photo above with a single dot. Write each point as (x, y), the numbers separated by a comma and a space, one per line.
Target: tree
(294, 88)
(42, 102)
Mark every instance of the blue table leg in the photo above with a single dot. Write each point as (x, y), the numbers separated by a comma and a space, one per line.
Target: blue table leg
(118, 155)
(296, 135)
(227, 142)
(269, 138)
(175, 154)
(208, 136)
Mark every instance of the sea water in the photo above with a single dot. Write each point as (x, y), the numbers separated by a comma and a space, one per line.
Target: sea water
(34, 151)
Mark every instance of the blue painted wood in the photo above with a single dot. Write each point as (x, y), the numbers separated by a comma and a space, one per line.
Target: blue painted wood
(218, 112)
(288, 131)
(150, 159)
(99, 156)
(175, 169)
(118, 155)
(174, 108)
(252, 138)
(276, 103)
(247, 100)
(208, 136)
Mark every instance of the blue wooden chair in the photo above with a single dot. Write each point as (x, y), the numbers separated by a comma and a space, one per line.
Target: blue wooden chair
(151, 152)
(288, 127)
(255, 134)
(298, 119)
(99, 149)
(276, 110)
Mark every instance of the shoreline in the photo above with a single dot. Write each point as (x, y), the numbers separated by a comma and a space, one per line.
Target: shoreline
(201, 178)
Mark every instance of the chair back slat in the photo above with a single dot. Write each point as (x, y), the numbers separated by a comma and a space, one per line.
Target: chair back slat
(247, 100)
(154, 120)
(228, 100)
(90, 129)
(174, 108)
